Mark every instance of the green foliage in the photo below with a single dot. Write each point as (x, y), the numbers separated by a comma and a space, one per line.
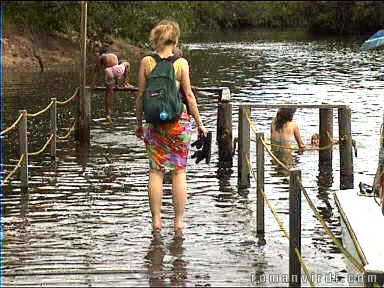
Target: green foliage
(134, 19)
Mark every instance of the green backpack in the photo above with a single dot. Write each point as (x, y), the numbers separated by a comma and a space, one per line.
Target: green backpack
(161, 98)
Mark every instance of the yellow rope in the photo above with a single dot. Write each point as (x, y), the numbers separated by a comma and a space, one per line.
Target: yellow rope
(69, 99)
(68, 133)
(304, 266)
(273, 155)
(18, 165)
(281, 225)
(328, 231)
(41, 111)
(42, 148)
(13, 125)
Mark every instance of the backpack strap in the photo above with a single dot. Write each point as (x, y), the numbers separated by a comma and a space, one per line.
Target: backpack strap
(157, 58)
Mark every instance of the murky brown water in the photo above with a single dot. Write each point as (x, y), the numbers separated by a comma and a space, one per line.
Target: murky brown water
(86, 222)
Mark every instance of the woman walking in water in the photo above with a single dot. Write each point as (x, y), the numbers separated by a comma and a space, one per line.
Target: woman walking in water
(167, 144)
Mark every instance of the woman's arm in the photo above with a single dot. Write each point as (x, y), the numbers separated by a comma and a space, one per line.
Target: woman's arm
(185, 83)
(139, 98)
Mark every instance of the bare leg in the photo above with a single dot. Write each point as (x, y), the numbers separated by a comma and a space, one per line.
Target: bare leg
(179, 189)
(155, 194)
(108, 102)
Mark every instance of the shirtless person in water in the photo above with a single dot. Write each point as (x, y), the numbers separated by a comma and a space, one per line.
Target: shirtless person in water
(113, 71)
(283, 130)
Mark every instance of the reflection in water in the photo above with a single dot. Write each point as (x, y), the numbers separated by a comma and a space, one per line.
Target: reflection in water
(325, 177)
(154, 260)
(179, 271)
(82, 154)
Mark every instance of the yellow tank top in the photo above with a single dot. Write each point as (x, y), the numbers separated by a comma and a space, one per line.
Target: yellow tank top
(151, 63)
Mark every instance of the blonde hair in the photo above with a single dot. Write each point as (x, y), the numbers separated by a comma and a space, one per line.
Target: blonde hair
(165, 33)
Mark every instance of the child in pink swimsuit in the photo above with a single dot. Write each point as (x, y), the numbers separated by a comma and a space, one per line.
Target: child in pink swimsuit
(114, 73)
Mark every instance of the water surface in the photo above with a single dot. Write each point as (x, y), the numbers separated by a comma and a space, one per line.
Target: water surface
(85, 220)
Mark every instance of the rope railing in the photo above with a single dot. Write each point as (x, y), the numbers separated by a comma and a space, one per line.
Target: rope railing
(42, 148)
(358, 265)
(18, 165)
(13, 126)
(41, 111)
(69, 99)
(52, 136)
(68, 133)
(328, 231)
(282, 227)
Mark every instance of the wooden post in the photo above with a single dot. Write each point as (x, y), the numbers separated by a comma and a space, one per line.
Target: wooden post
(77, 116)
(244, 147)
(84, 133)
(325, 129)
(23, 146)
(260, 231)
(224, 129)
(294, 227)
(346, 156)
(53, 114)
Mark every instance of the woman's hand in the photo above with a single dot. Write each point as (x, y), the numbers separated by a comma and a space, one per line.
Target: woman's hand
(139, 132)
(202, 130)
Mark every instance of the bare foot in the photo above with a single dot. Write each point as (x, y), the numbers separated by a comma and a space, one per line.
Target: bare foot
(156, 225)
(108, 118)
(179, 234)
(179, 225)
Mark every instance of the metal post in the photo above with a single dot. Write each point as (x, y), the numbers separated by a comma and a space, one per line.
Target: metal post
(346, 156)
(23, 142)
(84, 133)
(244, 147)
(224, 129)
(260, 231)
(53, 114)
(294, 227)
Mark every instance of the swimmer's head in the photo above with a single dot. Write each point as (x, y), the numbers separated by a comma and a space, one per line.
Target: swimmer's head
(315, 139)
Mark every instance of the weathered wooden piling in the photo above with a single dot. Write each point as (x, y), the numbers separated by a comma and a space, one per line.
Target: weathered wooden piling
(244, 147)
(84, 101)
(224, 129)
(23, 146)
(294, 227)
(260, 161)
(326, 135)
(346, 156)
(53, 124)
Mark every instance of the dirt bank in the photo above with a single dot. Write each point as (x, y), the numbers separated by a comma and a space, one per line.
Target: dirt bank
(23, 52)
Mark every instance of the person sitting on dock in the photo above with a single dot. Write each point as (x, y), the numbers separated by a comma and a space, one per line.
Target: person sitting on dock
(283, 129)
(113, 71)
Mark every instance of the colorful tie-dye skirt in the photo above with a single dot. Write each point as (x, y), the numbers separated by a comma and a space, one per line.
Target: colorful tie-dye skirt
(168, 144)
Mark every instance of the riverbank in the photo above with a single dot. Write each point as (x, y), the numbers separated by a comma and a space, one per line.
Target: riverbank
(23, 52)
